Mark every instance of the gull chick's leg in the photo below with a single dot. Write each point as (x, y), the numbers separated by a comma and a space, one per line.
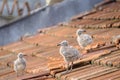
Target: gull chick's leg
(67, 69)
(71, 66)
(85, 51)
(67, 66)
(22, 72)
(17, 74)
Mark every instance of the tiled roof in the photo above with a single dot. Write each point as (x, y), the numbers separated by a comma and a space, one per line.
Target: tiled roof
(42, 54)
(88, 72)
(99, 18)
(112, 60)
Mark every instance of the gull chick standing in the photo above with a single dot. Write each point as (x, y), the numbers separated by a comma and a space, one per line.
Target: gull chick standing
(69, 53)
(19, 64)
(83, 39)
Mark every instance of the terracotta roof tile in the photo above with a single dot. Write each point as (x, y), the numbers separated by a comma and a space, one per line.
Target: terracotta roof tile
(17, 46)
(40, 39)
(86, 72)
(117, 24)
(35, 64)
(39, 76)
(99, 18)
(115, 6)
(112, 59)
(65, 32)
(4, 52)
(112, 75)
(102, 15)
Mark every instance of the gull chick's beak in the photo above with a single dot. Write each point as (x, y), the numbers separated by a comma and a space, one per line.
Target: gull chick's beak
(58, 44)
(84, 30)
(24, 55)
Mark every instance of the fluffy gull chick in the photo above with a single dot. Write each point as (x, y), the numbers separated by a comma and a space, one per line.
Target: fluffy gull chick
(69, 54)
(83, 39)
(19, 64)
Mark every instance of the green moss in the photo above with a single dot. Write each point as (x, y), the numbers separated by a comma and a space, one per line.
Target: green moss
(8, 18)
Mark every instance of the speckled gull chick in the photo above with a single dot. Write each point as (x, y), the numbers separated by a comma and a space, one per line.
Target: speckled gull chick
(83, 39)
(69, 54)
(19, 64)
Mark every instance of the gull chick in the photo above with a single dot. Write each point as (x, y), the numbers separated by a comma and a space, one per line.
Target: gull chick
(19, 64)
(83, 39)
(69, 53)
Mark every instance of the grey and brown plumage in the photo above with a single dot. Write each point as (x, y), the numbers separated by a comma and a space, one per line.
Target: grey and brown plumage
(83, 39)
(69, 53)
(19, 64)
